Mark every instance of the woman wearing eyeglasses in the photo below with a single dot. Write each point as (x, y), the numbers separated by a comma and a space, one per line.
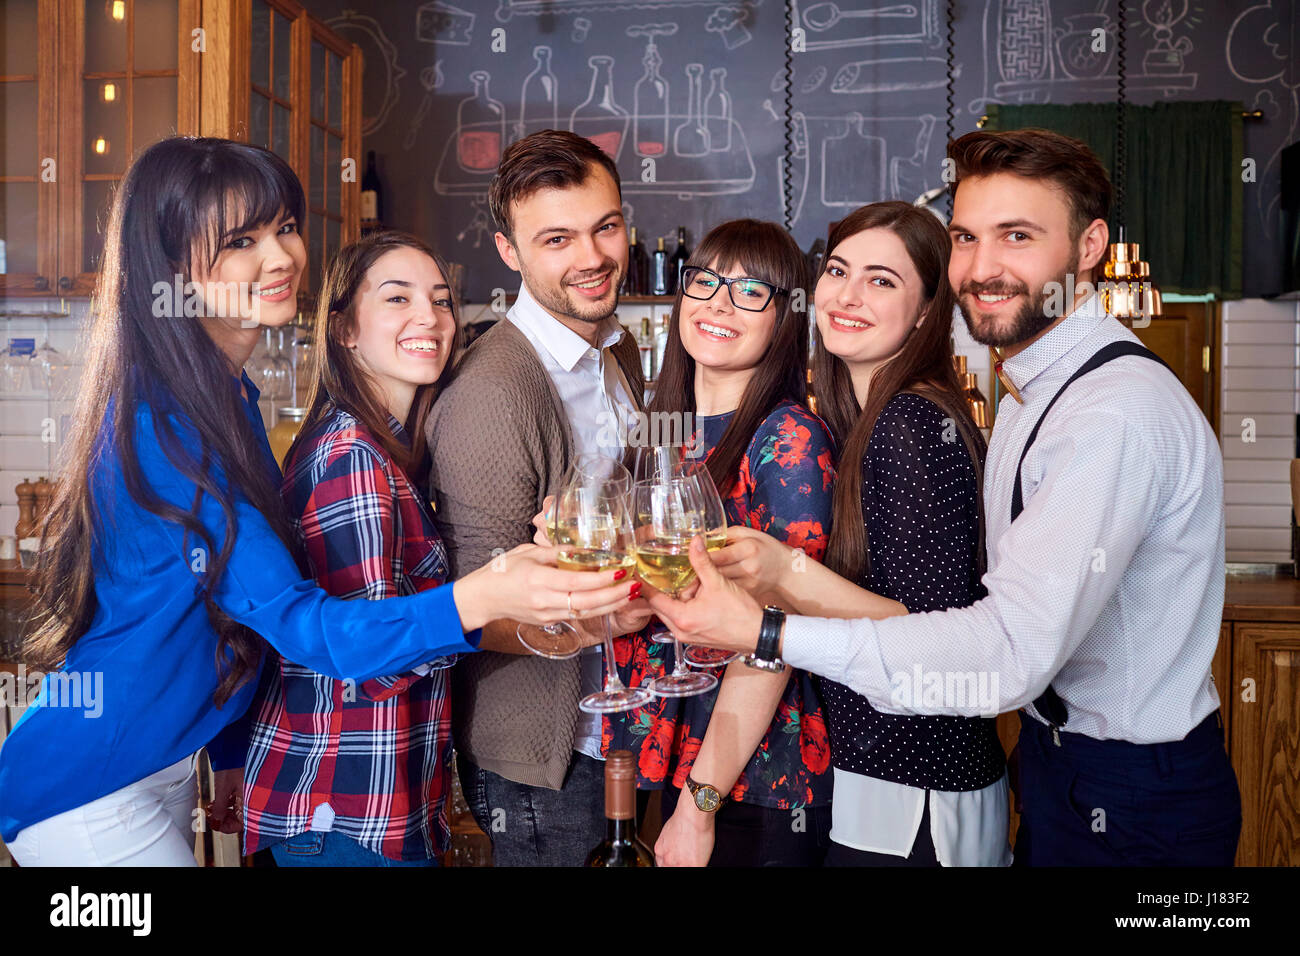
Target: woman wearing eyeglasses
(753, 754)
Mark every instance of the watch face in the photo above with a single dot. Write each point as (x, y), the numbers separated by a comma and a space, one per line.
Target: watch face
(707, 799)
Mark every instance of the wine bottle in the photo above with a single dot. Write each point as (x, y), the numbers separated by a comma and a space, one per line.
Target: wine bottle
(678, 261)
(621, 847)
(659, 270)
(638, 267)
(646, 343)
(372, 196)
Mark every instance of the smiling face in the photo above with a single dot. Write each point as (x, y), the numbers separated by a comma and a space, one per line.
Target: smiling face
(570, 245)
(718, 335)
(254, 280)
(403, 326)
(869, 298)
(1011, 239)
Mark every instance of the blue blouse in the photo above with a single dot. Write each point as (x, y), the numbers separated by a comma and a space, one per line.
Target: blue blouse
(148, 656)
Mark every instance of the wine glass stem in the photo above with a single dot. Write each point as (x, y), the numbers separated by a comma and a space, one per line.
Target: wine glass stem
(679, 658)
(612, 682)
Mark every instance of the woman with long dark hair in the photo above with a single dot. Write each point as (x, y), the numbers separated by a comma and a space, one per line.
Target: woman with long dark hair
(908, 525)
(735, 363)
(386, 329)
(167, 564)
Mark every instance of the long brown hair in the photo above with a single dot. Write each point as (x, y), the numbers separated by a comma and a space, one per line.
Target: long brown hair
(759, 250)
(337, 378)
(923, 367)
(169, 211)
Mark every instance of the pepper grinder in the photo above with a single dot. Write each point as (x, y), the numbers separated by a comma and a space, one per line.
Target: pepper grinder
(26, 524)
(43, 490)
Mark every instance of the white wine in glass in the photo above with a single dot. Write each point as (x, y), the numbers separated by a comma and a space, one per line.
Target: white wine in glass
(715, 520)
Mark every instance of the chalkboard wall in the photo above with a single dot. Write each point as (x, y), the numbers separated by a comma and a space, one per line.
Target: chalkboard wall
(690, 96)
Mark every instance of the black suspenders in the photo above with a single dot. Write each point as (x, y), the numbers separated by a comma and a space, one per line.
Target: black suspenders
(1049, 703)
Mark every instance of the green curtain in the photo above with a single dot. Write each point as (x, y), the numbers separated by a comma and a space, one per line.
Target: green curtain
(1183, 186)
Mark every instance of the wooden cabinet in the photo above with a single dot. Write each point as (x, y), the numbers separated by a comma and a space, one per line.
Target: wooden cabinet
(294, 86)
(86, 84)
(102, 80)
(1184, 337)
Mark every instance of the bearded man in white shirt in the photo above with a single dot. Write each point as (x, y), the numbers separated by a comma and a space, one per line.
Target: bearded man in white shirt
(1104, 500)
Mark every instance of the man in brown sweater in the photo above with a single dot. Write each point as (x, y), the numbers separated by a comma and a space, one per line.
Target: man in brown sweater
(558, 377)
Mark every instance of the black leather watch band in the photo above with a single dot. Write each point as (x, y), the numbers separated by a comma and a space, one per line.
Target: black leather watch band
(769, 639)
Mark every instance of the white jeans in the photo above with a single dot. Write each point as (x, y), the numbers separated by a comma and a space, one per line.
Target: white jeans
(146, 823)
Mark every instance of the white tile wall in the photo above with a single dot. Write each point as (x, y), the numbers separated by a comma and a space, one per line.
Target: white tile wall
(1261, 380)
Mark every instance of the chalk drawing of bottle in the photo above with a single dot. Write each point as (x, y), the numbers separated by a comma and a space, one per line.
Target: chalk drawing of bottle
(692, 137)
(480, 128)
(650, 106)
(717, 111)
(539, 101)
(599, 118)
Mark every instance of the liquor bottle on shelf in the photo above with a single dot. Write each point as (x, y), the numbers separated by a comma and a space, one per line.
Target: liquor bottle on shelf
(539, 108)
(646, 343)
(598, 117)
(372, 197)
(717, 111)
(661, 339)
(637, 280)
(659, 270)
(480, 127)
(650, 106)
(621, 846)
(691, 138)
(678, 261)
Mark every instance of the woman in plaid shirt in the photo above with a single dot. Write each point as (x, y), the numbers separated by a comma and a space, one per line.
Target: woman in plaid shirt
(340, 773)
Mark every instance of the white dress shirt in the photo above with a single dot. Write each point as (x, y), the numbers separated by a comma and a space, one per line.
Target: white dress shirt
(1109, 585)
(598, 407)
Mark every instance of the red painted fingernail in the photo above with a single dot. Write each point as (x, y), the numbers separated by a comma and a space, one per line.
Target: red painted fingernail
(635, 591)
(620, 575)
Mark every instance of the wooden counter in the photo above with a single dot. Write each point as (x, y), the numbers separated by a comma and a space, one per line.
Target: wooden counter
(1262, 597)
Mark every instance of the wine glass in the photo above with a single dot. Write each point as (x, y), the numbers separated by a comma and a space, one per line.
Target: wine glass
(658, 463)
(715, 537)
(260, 368)
(560, 641)
(596, 535)
(667, 515)
(280, 374)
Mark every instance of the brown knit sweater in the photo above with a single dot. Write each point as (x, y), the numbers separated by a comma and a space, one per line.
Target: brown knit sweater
(500, 443)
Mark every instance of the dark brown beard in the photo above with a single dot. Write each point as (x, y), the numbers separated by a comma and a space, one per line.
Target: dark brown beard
(557, 301)
(1028, 322)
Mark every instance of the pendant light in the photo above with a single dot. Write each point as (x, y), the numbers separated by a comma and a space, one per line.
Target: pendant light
(1127, 290)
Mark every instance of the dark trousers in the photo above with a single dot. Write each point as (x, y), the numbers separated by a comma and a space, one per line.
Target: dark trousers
(1094, 802)
(748, 835)
(536, 826)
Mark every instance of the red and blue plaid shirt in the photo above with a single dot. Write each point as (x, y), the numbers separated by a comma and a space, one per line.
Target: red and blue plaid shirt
(371, 760)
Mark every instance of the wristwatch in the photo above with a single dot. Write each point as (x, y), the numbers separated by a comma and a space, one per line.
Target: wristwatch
(769, 637)
(706, 797)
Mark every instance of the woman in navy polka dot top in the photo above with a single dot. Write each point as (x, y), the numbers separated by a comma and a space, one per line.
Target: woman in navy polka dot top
(907, 525)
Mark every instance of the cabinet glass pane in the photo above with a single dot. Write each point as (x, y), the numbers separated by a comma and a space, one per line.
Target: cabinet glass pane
(18, 38)
(156, 34)
(154, 110)
(18, 107)
(331, 238)
(336, 91)
(317, 81)
(281, 36)
(104, 129)
(281, 121)
(105, 35)
(18, 207)
(260, 53)
(95, 197)
(259, 119)
(316, 244)
(316, 165)
(333, 173)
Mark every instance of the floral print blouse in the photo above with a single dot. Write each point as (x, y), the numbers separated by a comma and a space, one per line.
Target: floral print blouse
(784, 489)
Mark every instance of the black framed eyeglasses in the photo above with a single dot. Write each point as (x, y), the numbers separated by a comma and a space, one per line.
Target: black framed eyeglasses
(752, 295)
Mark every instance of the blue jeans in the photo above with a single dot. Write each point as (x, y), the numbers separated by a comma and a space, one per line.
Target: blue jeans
(332, 849)
(536, 826)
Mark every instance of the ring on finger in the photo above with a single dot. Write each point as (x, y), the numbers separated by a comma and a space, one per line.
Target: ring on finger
(572, 612)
